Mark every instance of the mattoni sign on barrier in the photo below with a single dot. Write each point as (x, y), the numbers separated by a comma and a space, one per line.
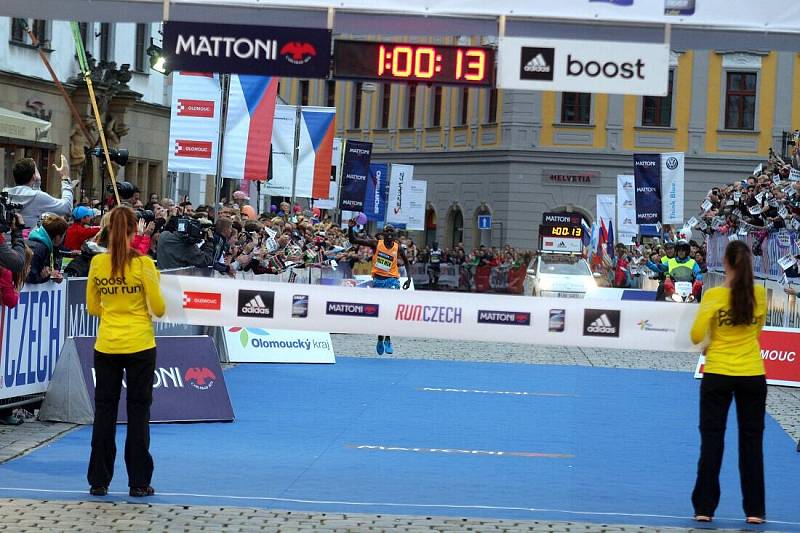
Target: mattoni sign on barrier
(482, 317)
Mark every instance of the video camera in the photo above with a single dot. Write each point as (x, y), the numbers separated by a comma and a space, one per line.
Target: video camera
(119, 157)
(8, 212)
(190, 228)
(126, 189)
(145, 214)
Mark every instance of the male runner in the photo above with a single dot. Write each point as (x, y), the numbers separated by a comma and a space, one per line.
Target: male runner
(385, 268)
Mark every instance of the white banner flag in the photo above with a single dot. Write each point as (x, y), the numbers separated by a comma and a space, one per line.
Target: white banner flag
(606, 213)
(333, 195)
(627, 229)
(194, 123)
(417, 200)
(282, 151)
(400, 177)
(672, 187)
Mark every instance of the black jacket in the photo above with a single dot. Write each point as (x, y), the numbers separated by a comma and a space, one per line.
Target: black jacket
(176, 251)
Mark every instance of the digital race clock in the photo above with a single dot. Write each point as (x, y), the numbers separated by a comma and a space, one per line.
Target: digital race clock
(563, 230)
(408, 62)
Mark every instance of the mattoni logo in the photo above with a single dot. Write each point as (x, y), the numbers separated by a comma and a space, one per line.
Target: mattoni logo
(352, 309)
(200, 378)
(511, 318)
(198, 149)
(537, 63)
(298, 53)
(195, 108)
(209, 301)
(601, 323)
(672, 163)
(646, 189)
(644, 163)
(256, 303)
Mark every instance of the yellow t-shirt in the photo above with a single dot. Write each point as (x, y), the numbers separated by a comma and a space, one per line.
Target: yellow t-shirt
(734, 350)
(124, 304)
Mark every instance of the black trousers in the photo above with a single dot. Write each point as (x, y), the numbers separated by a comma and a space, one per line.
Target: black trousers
(716, 393)
(139, 368)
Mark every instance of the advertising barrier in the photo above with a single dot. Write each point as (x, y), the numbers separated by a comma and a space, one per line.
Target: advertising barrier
(257, 345)
(779, 351)
(484, 317)
(32, 335)
(501, 279)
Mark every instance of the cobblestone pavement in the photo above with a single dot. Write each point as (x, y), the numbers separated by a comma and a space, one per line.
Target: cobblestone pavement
(47, 515)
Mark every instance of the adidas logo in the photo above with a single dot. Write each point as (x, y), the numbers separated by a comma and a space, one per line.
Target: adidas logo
(256, 306)
(537, 64)
(602, 325)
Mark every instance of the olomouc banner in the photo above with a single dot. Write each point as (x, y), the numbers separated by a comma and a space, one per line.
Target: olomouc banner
(194, 123)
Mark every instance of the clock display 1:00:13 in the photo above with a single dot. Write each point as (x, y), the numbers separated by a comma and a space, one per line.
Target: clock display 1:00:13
(408, 62)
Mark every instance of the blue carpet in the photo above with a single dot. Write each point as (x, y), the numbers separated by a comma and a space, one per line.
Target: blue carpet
(580, 444)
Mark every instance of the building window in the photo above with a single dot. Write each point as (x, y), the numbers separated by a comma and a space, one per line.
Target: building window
(436, 115)
(106, 41)
(37, 26)
(463, 106)
(576, 108)
(411, 106)
(140, 48)
(386, 105)
(304, 87)
(657, 110)
(740, 101)
(330, 93)
(356, 106)
(492, 107)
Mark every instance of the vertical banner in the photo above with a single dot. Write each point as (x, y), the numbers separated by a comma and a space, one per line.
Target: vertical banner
(400, 177)
(317, 127)
(377, 192)
(194, 123)
(647, 181)
(32, 336)
(248, 127)
(332, 200)
(283, 129)
(606, 214)
(417, 200)
(355, 172)
(672, 188)
(627, 229)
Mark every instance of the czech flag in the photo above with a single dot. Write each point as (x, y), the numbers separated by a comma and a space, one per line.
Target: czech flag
(248, 128)
(317, 127)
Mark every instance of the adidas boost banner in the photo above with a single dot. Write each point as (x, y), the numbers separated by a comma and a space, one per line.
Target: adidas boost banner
(257, 306)
(583, 66)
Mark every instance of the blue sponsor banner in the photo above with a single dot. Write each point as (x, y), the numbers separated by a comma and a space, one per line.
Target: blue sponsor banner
(647, 184)
(32, 336)
(355, 174)
(377, 192)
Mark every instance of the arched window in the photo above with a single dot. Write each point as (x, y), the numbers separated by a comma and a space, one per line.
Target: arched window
(456, 227)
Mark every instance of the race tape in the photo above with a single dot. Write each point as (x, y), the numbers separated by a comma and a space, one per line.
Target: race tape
(442, 315)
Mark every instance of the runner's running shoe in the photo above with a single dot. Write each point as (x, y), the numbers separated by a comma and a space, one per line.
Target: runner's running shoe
(379, 347)
(387, 347)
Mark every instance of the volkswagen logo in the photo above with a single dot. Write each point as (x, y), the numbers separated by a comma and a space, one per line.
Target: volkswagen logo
(672, 163)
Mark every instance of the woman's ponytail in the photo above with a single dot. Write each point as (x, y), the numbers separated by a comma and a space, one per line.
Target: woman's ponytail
(121, 228)
(743, 298)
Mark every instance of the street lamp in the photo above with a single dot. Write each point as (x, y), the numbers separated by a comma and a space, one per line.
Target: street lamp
(157, 60)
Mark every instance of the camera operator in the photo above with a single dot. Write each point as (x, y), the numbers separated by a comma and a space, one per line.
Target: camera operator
(184, 243)
(12, 254)
(35, 202)
(223, 230)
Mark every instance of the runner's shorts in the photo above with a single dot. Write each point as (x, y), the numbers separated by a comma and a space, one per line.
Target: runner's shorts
(385, 283)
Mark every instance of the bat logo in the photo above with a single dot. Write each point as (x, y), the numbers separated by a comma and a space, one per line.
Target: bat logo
(298, 53)
(200, 378)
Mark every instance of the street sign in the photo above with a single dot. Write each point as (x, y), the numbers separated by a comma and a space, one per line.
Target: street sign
(484, 221)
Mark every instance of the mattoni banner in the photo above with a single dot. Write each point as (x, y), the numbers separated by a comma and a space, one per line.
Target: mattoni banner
(627, 229)
(647, 181)
(258, 345)
(355, 173)
(583, 66)
(607, 324)
(194, 123)
(780, 351)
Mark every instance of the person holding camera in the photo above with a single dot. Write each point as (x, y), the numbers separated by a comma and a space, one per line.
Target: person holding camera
(44, 242)
(34, 201)
(178, 245)
(12, 254)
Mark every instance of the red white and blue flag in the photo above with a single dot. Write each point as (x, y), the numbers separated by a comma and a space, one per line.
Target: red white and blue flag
(317, 126)
(248, 128)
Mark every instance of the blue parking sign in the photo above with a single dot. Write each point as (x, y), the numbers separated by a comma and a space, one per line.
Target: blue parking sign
(484, 221)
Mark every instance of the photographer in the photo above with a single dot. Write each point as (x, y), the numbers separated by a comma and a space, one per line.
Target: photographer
(223, 230)
(178, 245)
(12, 255)
(44, 242)
(34, 201)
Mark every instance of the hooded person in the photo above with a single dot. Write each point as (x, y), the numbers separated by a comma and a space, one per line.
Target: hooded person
(44, 242)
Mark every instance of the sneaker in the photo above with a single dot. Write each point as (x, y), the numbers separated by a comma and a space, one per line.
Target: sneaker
(387, 347)
(140, 492)
(98, 491)
(11, 420)
(379, 347)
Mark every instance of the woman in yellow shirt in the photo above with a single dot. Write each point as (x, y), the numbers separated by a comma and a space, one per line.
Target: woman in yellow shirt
(123, 290)
(733, 316)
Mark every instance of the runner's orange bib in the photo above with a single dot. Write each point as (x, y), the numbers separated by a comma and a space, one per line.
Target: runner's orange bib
(384, 262)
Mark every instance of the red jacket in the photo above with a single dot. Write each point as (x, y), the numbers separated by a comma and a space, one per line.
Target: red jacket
(8, 293)
(77, 234)
(141, 243)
